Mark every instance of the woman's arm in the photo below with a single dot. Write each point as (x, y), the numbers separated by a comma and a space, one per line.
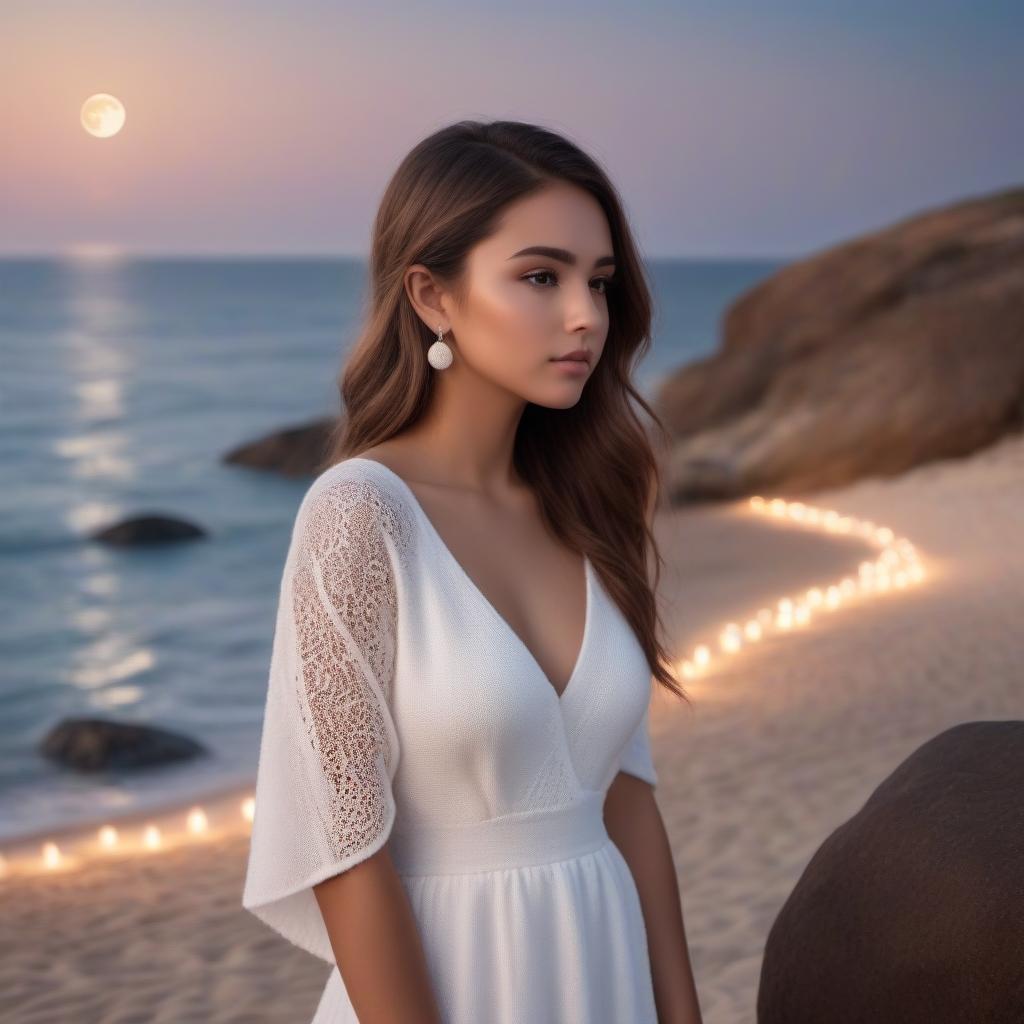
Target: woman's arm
(634, 823)
(377, 944)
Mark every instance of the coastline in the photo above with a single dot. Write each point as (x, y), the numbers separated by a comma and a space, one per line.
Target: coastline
(222, 804)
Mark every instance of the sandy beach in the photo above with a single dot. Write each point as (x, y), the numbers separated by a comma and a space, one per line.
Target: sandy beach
(786, 740)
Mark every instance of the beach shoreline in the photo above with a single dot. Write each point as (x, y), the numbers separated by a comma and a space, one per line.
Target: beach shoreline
(222, 805)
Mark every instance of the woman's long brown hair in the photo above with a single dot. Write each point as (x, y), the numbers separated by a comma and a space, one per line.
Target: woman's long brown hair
(594, 485)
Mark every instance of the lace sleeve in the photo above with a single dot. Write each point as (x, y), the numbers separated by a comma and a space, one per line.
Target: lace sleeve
(329, 749)
(637, 758)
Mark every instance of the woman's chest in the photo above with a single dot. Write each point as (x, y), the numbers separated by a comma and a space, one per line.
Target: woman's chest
(509, 560)
(477, 718)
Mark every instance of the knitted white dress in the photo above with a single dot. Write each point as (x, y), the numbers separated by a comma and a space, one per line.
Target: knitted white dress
(403, 709)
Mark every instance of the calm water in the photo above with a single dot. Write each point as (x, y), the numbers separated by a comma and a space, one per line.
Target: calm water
(123, 382)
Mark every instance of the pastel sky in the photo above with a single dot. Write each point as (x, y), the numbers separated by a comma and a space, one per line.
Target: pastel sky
(729, 128)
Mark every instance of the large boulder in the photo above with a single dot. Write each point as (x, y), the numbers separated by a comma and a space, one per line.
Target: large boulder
(913, 910)
(899, 347)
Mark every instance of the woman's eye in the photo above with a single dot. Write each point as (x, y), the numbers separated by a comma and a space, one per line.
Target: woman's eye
(604, 281)
(538, 273)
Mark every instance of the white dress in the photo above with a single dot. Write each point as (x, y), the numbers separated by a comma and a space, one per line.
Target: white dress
(403, 709)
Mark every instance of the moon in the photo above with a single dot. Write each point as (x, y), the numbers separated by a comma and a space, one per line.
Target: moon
(102, 115)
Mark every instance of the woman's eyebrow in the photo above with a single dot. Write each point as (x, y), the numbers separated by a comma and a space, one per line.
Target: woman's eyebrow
(562, 255)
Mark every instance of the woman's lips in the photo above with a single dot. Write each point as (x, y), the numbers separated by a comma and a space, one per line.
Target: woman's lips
(576, 353)
(575, 366)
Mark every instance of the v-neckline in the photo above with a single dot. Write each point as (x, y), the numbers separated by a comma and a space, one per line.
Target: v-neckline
(486, 601)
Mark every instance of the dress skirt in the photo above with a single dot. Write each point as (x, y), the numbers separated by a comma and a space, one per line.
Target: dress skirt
(529, 918)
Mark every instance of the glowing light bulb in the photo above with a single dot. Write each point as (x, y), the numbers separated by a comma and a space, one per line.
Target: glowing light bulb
(249, 808)
(151, 839)
(197, 822)
(729, 639)
(52, 857)
(108, 836)
(752, 630)
(701, 654)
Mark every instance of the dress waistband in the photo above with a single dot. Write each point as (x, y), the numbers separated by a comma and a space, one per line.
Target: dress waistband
(513, 840)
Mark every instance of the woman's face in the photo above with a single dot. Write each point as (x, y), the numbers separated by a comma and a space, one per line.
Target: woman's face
(523, 311)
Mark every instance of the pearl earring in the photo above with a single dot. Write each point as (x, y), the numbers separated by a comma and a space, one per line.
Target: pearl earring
(439, 355)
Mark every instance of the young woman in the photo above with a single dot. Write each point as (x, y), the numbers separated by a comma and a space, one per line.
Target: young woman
(455, 798)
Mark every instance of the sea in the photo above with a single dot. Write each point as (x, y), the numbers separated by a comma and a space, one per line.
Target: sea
(124, 380)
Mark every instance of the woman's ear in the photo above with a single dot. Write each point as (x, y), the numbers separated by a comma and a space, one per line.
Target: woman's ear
(425, 297)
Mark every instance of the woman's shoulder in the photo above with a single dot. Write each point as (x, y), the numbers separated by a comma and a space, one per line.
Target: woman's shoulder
(353, 498)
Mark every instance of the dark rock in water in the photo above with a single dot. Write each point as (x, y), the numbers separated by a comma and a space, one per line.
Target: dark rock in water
(295, 452)
(897, 348)
(154, 529)
(913, 910)
(92, 744)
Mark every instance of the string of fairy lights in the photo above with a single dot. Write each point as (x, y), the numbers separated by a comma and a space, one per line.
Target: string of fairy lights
(896, 567)
(110, 841)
